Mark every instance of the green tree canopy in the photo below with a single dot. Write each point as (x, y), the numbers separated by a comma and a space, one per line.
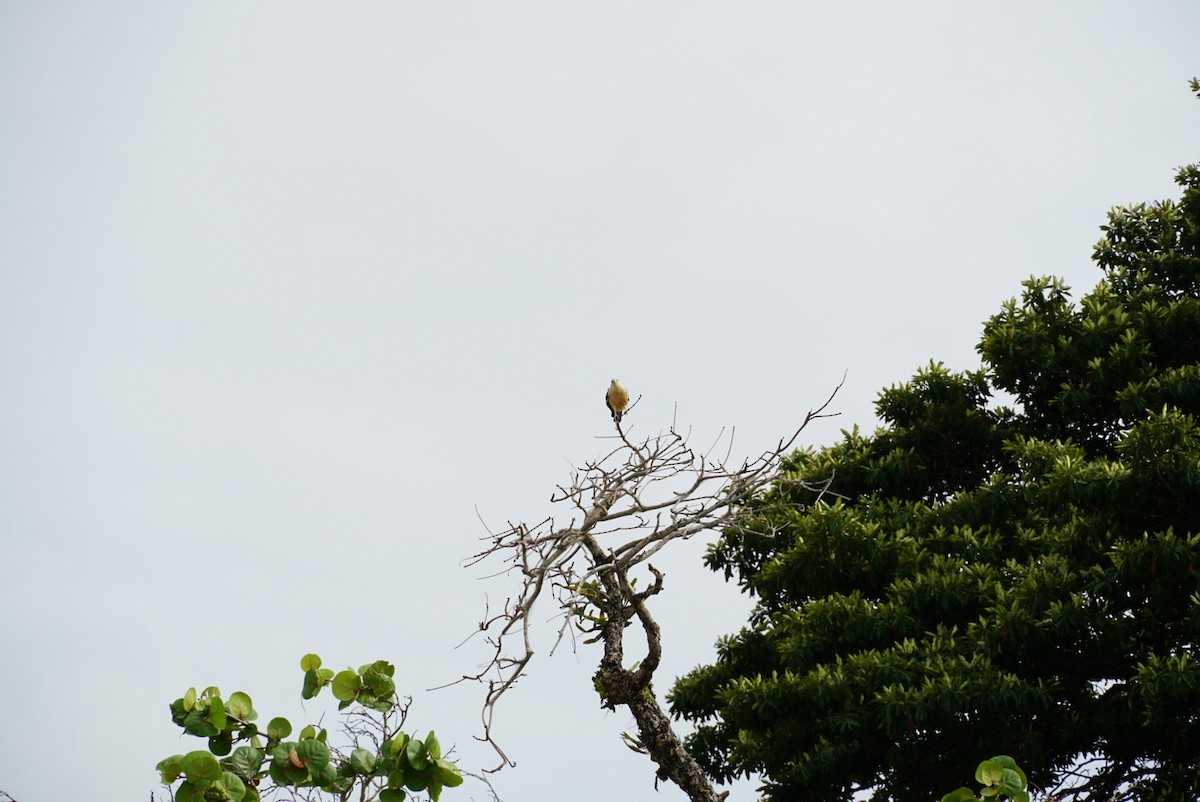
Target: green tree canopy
(989, 579)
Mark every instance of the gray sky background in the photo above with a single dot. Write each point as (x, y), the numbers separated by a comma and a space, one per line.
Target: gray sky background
(289, 290)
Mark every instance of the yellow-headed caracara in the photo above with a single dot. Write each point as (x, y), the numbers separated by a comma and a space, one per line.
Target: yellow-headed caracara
(617, 399)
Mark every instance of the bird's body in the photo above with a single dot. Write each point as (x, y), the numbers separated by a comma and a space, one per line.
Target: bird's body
(617, 399)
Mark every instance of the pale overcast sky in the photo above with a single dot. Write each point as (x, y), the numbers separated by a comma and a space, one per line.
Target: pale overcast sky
(289, 291)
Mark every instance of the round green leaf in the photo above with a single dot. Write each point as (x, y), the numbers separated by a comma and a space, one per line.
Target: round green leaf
(279, 728)
(363, 760)
(346, 685)
(392, 795)
(189, 699)
(234, 785)
(308, 731)
(310, 662)
(415, 752)
(246, 761)
(314, 753)
(201, 767)
(170, 768)
(240, 707)
(989, 772)
(221, 743)
(186, 792)
(432, 746)
(1012, 782)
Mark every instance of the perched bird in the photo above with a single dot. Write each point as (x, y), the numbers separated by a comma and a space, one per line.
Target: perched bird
(617, 399)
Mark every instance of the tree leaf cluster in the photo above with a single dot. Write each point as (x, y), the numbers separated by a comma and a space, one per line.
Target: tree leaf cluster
(1009, 563)
(242, 758)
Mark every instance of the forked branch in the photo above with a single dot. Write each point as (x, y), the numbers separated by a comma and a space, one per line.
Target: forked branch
(624, 508)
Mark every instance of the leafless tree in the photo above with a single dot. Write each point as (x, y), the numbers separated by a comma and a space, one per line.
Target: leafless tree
(624, 508)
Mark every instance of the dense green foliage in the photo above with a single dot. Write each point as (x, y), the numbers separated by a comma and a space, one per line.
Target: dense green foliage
(1016, 578)
(394, 762)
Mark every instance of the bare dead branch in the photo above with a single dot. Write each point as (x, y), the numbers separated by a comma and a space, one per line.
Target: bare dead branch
(624, 508)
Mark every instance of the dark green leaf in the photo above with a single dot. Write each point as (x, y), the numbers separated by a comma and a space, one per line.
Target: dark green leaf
(312, 685)
(197, 723)
(221, 743)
